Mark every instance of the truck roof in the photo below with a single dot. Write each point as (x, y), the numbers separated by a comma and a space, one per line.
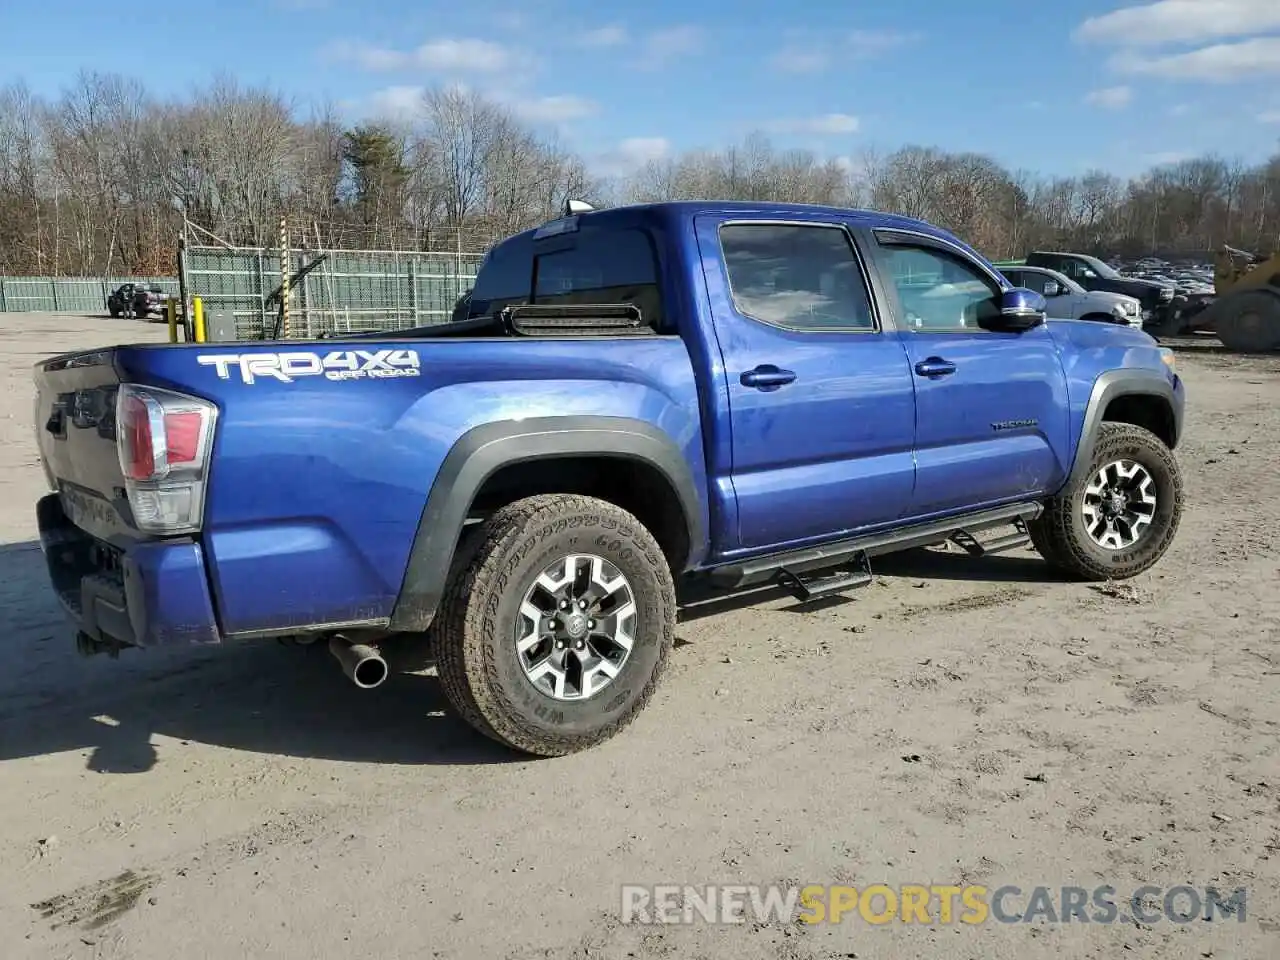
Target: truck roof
(668, 211)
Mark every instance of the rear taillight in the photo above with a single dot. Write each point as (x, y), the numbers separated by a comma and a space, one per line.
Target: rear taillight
(164, 440)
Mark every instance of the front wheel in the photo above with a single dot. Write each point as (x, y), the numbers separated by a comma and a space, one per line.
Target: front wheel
(1119, 518)
(1251, 323)
(557, 624)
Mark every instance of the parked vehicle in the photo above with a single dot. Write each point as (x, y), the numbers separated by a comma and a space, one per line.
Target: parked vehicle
(710, 394)
(1067, 300)
(146, 301)
(1160, 303)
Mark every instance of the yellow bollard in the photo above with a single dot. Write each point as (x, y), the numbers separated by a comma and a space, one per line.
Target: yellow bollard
(171, 312)
(197, 310)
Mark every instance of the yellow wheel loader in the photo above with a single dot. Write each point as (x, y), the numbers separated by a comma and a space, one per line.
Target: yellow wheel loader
(1245, 311)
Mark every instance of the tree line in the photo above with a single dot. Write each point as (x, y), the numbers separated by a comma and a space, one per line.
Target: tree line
(102, 179)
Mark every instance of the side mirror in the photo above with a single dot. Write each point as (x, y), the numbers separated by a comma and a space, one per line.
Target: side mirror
(1020, 309)
(1051, 288)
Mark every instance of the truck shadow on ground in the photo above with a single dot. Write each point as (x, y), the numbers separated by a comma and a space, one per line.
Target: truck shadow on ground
(262, 697)
(131, 714)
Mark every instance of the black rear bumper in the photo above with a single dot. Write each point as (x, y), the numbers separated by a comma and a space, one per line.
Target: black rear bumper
(150, 594)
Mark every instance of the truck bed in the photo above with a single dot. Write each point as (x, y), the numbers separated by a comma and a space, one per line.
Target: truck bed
(325, 452)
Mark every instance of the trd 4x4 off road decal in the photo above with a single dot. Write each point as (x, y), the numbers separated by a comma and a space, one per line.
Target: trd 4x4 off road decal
(334, 365)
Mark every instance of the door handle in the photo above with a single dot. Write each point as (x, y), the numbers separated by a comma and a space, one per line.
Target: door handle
(935, 367)
(767, 377)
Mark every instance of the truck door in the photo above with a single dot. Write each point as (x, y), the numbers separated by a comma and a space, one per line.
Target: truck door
(820, 398)
(991, 407)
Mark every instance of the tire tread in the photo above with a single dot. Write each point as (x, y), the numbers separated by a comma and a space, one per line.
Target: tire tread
(482, 572)
(1055, 535)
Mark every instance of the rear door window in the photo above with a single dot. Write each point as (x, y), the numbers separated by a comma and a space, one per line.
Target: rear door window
(798, 276)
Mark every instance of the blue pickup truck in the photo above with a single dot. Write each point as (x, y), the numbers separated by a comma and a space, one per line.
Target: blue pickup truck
(696, 395)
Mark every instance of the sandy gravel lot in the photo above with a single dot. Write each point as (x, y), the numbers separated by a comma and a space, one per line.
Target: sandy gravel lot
(959, 722)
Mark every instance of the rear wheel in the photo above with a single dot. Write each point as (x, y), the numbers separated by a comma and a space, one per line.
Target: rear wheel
(1119, 518)
(1250, 323)
(557, 624)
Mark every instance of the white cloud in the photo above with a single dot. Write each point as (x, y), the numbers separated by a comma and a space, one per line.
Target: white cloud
(1110, 98)
(554, 109)
(1221, 63)
(662, 45)
(811, 53)
(1168, 156)
(1269, 116)
(1181, 21)
(459, 55)
(365, 56)
(828, 124)
(404, 102)
(393, 103)
(643, 149)
(510, 20)
(1180, 110)
(800, 59)
(610, 36)
(869, 43)
(447, 55)
(630, 155)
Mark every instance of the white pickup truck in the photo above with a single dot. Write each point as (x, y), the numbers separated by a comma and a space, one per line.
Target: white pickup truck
(1069, 301)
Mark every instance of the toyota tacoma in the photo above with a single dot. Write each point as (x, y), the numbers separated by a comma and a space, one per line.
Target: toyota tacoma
(703, 395)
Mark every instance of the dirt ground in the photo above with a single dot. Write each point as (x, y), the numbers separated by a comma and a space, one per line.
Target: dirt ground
(959, 722)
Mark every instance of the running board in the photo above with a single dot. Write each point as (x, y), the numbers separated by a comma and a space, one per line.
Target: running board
(804, 587)
(984, 548)
(789, 566)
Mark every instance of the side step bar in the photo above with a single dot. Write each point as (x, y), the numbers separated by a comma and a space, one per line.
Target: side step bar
(983, 548)
(788, 569)
(814, 588)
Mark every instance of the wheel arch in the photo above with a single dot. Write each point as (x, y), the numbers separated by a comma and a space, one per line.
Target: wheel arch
(1144, 398)
(631, 463)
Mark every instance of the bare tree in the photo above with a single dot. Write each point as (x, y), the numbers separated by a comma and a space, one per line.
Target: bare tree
(99, 180)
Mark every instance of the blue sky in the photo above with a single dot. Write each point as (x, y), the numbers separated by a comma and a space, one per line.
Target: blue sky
(1053, 87)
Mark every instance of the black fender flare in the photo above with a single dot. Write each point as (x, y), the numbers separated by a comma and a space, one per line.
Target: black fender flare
(483, 450)
(1107, 387)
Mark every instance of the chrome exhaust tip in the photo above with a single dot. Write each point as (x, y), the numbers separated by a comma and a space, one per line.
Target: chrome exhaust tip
(361, 663)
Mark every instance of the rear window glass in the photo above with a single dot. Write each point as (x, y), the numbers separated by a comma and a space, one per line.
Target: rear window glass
(504, 277)
(607, 266)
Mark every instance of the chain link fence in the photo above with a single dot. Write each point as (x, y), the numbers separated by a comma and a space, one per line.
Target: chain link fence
(69, 294)
(346, 291)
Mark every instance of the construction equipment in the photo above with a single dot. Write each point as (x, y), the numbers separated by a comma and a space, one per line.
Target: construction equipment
(1245, 312)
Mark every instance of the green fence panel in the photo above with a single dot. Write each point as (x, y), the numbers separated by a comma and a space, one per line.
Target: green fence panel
(69, 294)
(349, 291)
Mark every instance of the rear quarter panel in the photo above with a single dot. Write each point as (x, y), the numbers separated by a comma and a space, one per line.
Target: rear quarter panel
(317, 486)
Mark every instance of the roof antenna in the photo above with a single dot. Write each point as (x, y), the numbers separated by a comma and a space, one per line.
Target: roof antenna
(572, 207)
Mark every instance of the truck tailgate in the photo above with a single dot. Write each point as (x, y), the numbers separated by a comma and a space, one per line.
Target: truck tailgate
(75, 424)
